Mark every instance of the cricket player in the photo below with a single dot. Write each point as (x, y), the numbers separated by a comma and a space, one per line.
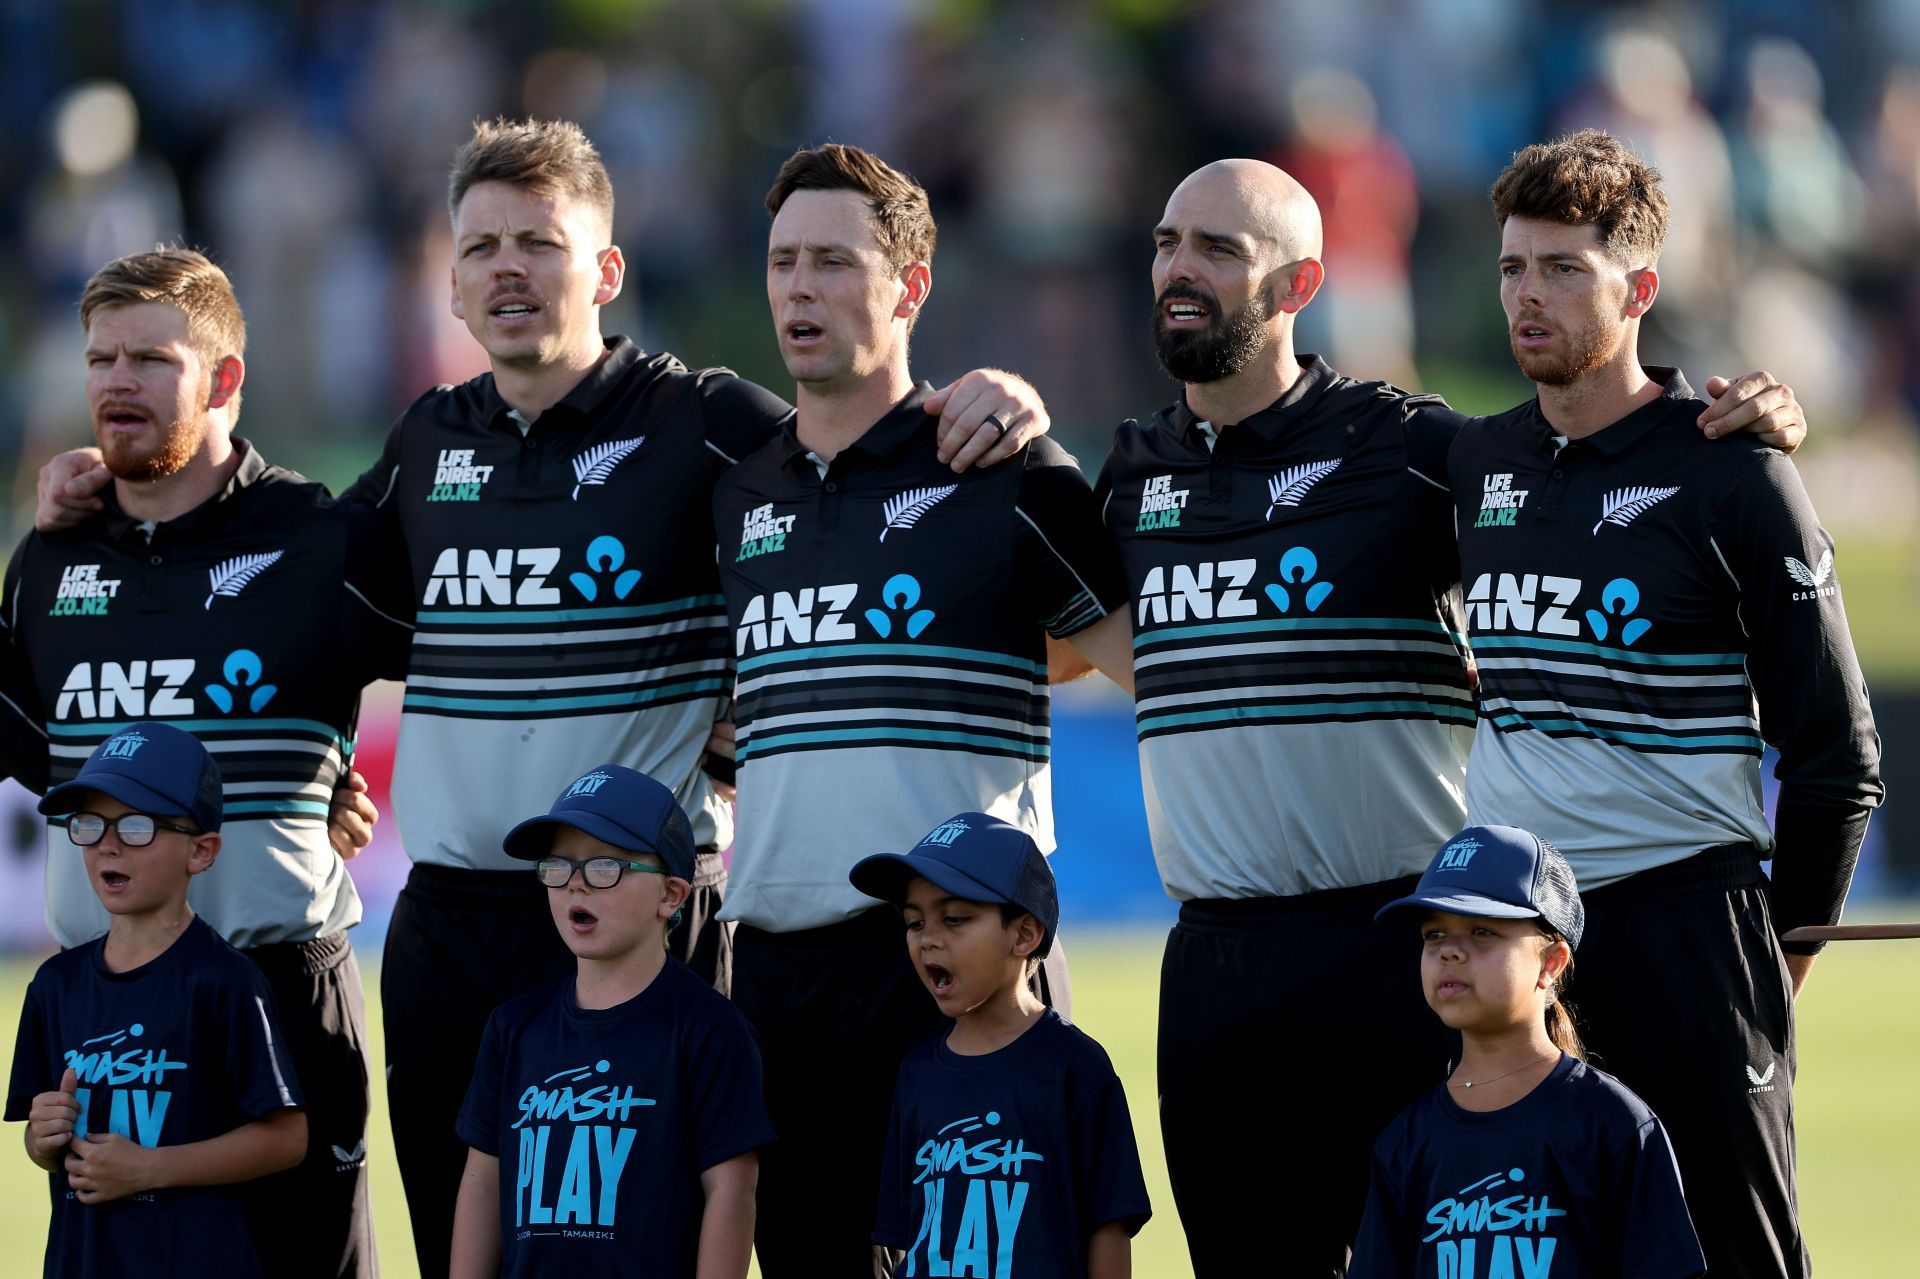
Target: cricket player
(1649, 611)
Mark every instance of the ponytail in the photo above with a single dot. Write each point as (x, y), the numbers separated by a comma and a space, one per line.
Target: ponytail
(1562, 1025)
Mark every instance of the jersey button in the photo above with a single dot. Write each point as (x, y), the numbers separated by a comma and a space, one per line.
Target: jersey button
(155, 559)
(1559, 474)
(832, 487)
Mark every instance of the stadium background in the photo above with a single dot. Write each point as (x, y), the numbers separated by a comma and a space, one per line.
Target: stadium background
(305, 144)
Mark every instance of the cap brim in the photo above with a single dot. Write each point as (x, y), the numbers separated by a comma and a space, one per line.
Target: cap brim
(533, 839)
(68, 796)
(1458, 904)
(886, 876)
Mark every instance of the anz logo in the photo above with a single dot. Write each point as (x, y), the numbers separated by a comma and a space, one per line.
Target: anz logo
(510, 577)
(154, 689)
(817, 615)
(1542, 604)
(1217, 590)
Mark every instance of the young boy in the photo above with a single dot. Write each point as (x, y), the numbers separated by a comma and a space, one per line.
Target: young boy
(1010, 1149)
(149, 1068)
(627, 1096)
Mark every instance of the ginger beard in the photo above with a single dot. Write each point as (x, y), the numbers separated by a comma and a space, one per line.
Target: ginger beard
(1584, 349)
(151, 456)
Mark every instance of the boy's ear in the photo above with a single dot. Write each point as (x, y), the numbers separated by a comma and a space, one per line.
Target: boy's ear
(201, 855)
(674, 897)
(1027, 936)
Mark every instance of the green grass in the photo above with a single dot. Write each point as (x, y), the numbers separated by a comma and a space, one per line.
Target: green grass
(1859, 1119)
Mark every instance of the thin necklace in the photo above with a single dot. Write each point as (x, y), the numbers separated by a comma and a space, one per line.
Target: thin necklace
(1468, 1083)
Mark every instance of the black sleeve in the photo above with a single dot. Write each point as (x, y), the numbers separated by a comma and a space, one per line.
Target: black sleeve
(1106, 1159)
(1382, 1248)
(740, 416)
(259, 1072)
(727, 1109)
(1067, 569)
(23, 735)
(1656, 1232)
(1431, 428)
(32, 1059)
(377, 613)
(1812, 698)
(891, 1228)
(375, 485)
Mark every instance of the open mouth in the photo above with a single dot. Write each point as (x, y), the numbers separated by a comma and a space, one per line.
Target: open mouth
(581, 920)
(113, 880)
(940, 979)
(1532, 334)
(801, 331)
(1186, 312)
(513, 309)
(125, 416)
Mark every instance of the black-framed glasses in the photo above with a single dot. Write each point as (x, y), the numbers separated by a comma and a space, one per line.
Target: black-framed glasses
(600, 872)
(136, 830)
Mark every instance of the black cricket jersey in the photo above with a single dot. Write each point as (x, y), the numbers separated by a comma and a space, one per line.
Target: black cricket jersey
(1576, 1180)
(1006, 1163)
(1647, 609)
(1299, 663)
(242, 622)
(603, 1120)
(889, 623)
(181, 1049)
(567, 611)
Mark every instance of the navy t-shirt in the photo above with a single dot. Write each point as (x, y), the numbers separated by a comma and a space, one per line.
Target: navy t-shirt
(181, 1049)
(604, 1119)
(1573, 1181)
(1006, 1163)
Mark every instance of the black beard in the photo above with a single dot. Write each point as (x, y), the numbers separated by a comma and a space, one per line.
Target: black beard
(1225, 347)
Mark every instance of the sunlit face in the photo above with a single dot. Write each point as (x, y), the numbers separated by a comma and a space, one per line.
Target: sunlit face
(611, 923)
(964, 951)
(149, 390)
(137, 881)
(1213, 283)
(1570, 304)
(530, 272)
(1487, 974)
(840, 309)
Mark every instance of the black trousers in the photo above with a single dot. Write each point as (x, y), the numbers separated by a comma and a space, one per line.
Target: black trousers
(835, 1009)
(463, 942)
(1292, 1030)
(1682, 992)
(314, 1220)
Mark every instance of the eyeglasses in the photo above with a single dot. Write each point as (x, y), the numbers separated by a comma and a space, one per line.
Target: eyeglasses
(136, 830)
(600, 872)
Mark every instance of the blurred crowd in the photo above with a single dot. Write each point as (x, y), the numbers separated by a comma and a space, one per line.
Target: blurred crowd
(305, 144)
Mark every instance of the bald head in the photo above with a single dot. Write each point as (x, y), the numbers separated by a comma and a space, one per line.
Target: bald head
(1252, 199)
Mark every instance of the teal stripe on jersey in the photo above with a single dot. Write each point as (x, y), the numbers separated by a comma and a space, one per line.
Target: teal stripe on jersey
(514, 616)
(1165, 634)
(1623, 655)
(1510, 721)
(637, 697)
(247, 726)
(759, 742)
(1309, 710)
(824, 652)
(305, 807)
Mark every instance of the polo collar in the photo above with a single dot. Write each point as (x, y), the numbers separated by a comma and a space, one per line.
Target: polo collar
(587, 395)
(252, 466)
(1270, 423)
(1622, 434)
(902, 424)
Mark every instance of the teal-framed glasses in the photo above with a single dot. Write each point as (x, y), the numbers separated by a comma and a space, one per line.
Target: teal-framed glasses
(136, 830)
(599, 872)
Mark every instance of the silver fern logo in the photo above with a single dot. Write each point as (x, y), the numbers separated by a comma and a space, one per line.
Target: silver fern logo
(230, 577)
(1292, 484)
(904, 510)
(1624, 506)
(597, 463)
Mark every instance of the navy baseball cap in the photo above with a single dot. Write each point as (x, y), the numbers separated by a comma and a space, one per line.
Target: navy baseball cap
(1501, 872)
(619, 806)
(152, 768)
(976, 857)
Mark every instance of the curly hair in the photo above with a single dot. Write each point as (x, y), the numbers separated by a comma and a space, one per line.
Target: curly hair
(1591, 179)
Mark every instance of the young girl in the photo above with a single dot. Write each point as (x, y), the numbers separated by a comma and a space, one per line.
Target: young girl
(1527, 1161)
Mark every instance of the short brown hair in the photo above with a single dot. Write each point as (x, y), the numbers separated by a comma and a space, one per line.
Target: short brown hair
(544, 156)
(1588, 179)
(902, 218)
(185, 278)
